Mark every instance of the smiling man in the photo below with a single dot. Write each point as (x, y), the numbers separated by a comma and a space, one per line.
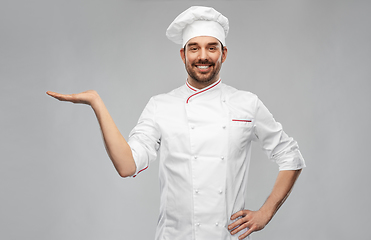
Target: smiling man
(203, 57)
(203, 133)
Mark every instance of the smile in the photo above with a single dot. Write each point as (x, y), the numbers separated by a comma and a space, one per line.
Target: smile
(203, 67)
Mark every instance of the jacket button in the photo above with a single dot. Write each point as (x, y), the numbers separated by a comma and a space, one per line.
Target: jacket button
(222, 157)
(224, 127)
(217, 224)
(220, 191)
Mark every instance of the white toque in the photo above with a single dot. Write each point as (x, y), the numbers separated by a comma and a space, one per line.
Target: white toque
(198, 21)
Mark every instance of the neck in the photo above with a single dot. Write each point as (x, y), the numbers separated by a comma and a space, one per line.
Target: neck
(201, 85)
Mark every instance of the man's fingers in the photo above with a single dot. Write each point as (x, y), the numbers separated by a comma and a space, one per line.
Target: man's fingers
(249, 231)
(242, 214)
(61, 97)
(240, 228)
(236, 215)
(55, 95)
(250, 221)
(51, 93)
(85, 97)
(235, 224)
(239, 214)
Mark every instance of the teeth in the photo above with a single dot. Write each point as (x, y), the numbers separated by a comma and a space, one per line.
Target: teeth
(203, 67)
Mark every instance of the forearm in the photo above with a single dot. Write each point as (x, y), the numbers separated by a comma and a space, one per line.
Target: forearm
(116, 146)
(281, 190)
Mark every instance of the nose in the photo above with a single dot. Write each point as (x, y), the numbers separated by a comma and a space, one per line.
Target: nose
(202, 54)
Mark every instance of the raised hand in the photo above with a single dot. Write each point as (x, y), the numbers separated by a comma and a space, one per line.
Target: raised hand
(87, 97)
(117, 148)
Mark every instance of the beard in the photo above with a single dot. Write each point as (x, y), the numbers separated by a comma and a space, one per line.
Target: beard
(203, 77)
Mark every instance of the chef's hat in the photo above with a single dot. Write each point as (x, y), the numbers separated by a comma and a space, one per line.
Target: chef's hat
(198, 21)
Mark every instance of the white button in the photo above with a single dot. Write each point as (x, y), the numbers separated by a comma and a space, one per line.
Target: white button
(198, 224)
(224, 127)
(195, 157)
(222, 157)
(196, 190)
(220, 191)
(192, 127)
(216, 224)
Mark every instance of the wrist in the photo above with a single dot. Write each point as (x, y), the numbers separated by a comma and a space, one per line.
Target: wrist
(267, 212)
(95, 101)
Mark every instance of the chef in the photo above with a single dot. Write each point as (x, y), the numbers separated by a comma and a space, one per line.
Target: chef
(201, 134)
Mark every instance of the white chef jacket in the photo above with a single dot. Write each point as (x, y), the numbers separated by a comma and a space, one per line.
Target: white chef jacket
(203, 138)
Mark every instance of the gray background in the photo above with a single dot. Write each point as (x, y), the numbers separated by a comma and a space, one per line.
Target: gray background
(309, 62)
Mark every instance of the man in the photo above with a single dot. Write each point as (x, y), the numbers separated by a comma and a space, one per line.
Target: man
(203, 132)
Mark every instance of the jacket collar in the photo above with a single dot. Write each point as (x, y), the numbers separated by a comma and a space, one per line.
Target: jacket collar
(193, 92)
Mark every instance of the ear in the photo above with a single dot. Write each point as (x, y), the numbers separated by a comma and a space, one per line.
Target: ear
(182, 54)
(225, 52)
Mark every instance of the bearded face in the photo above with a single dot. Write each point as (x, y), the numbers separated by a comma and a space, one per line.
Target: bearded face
(203, 58)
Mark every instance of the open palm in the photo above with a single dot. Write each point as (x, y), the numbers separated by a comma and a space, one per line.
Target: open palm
(86, 97)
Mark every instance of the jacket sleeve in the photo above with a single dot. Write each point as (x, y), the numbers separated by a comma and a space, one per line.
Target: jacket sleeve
(144, 139)
(279, 147)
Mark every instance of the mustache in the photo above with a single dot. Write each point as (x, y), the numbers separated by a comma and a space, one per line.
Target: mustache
(204, 62)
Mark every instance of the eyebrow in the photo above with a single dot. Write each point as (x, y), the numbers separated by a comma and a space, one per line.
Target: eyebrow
(211, 43)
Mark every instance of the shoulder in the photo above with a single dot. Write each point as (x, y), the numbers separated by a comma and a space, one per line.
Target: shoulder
(168, 100)
(237, 96)
(175, 93)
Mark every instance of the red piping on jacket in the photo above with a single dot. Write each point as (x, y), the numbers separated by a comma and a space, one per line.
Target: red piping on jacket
(140, 171)
(190, 87)
(202, 90)
(240, 120)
